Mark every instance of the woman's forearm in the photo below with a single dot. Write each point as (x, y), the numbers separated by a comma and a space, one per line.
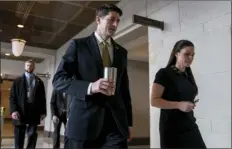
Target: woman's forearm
(164, 104)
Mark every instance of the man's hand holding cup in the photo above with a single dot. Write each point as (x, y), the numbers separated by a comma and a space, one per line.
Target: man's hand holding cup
(104, 86)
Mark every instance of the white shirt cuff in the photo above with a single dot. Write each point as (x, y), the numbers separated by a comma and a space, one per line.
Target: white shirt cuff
(89, 89)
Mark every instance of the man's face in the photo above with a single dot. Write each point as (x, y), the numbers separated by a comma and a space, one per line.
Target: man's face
(29, 67)
(108, 24)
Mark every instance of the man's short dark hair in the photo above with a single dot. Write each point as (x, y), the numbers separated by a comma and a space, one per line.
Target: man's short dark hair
(30, 61)
(104, 10)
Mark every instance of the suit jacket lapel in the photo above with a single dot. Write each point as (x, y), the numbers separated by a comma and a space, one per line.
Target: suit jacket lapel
(36, 85)
(94, 48)
(116, 54)
(23, 85)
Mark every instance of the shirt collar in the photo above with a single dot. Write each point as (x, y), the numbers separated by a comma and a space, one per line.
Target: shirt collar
(28, 74)
(100, 40)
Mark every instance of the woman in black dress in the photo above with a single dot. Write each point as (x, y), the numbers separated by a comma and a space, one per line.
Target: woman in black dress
(174, 90)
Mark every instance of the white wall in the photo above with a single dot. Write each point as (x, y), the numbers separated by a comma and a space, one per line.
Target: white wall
(17, 67)
(138, 73)
(12, 67)
(207, 25)
(51, 69)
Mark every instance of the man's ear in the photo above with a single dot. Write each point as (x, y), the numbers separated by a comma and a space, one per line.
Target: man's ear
(98, 19)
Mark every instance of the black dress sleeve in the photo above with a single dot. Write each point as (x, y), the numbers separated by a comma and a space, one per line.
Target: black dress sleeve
(160, 77)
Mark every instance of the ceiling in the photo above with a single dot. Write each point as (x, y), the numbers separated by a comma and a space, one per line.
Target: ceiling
(47, 24)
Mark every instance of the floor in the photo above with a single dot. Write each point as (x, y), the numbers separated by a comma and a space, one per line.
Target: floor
(41, 143)
(8, 129)
(8, 141)
(45, 143)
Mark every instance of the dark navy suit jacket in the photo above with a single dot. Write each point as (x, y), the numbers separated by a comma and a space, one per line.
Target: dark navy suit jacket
(80, 65)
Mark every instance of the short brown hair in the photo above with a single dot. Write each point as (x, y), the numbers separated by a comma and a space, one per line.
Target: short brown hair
(30, 61)
(104, 10)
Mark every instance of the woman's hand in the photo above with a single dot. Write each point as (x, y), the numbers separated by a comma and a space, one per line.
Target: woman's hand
(186, 106)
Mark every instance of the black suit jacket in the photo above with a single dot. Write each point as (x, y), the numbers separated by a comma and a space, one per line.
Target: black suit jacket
(82, 64)
(18, 99)
(57, 103)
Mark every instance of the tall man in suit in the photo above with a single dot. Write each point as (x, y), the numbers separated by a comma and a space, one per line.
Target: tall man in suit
(59, 114)
(97, 118)
(27, 106)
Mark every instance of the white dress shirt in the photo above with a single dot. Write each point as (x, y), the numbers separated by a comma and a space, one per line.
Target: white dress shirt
(100, 45)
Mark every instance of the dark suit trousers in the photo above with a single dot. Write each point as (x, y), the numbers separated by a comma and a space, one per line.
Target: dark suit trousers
(57, 126)
(31, 129)
(110, 137)
(19, 133)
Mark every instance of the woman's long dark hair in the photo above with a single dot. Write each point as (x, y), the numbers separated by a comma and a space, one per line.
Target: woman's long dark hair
(177, 48)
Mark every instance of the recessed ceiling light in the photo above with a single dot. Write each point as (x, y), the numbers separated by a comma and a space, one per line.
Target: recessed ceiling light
(7, 54)
(20, 26)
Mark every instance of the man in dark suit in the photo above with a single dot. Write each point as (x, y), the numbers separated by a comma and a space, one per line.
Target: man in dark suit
(97, 118)
(59, 114)
(27, 106)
